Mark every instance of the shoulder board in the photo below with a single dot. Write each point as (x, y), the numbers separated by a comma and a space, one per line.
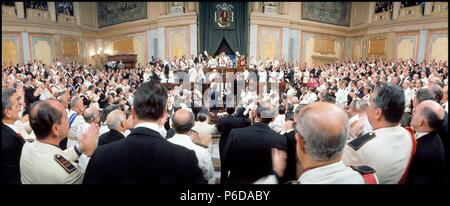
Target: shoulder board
(201, 145)
(364, 169)
(360, 141)
(64, 163)
(292, 182)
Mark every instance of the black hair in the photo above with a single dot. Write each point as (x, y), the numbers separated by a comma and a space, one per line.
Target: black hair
(281, 109)
(391, 100)
(432, 118)
(43, 118)
(230, 110)
(150, 101)
(424, 94)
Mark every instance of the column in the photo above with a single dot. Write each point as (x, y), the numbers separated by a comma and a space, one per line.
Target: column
(163, 8)
(371, 11)
(284, 8)
(161, 41)
(285, 43)
(253, 40)
(396, 10)
(428, 8)
(76, 12)
(26, 45)
(20, 9)
(193, 38)
(422, 45)
(256, 6)
(52, 10)
(152, 35)
(190, 7)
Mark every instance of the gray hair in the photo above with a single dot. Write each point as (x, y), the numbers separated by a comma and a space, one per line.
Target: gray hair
(6, 99)
(114, 118)
(74, 101)
(266, 110)
(321, 143)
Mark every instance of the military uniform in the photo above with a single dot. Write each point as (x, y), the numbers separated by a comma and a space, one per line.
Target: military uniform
(387, 150)
(42, 163)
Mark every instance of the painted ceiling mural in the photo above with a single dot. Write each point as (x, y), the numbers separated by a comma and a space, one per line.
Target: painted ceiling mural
(337, 13)
(110, 13)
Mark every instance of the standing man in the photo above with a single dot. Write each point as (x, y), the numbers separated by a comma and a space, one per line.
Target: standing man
(183, 122)
(247, 151)
(427, 166)
(12, 141)
(389, 148)
(145, 156)
(42, 161)
(117, 123)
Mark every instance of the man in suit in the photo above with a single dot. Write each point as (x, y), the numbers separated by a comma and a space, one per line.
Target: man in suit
(427, 166)
(117, 123)
(225, 125)
(291, 161)
(12, 142)
(145, 156)
(247, 151)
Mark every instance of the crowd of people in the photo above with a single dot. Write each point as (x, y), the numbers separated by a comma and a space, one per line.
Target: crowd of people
(347, 122)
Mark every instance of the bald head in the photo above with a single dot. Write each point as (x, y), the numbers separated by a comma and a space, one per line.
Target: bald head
(114, 119)
(323, 139)
(183, 121)
(91, 114)
(429, 116)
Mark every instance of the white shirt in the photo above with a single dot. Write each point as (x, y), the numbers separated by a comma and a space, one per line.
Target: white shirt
(154, 127)
(73, 130)
(388, 153)
(336, 173)
(203, 156)
(38, 165)
(277, 124)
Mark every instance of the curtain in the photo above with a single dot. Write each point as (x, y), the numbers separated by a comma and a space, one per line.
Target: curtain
(211, 36)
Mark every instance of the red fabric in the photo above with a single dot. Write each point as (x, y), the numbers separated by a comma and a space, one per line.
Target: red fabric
(370, 179)
(413, 151)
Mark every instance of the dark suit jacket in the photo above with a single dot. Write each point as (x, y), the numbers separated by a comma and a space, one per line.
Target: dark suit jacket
(109, 137)
(226, 124)
(248, 155)
(143, 157)
(11, 151)
(427, 166)
(290, 173)
(443, 133)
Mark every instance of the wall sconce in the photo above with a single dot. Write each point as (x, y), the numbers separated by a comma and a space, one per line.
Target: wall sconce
(100, 52)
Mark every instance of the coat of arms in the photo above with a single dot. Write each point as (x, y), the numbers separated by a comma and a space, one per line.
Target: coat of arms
(224, 15)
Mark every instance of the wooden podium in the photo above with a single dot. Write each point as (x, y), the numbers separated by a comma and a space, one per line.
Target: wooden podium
(129, 60)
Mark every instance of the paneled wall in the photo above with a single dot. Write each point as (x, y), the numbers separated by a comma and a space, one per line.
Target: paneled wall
(418, 33)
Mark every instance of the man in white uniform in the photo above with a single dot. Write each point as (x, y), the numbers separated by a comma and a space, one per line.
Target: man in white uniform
(389, 147)
(42, 161)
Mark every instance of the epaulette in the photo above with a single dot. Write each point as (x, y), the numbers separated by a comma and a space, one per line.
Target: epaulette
(364, 169)
(201, 145)
(69, 167)
(360, 141)
(292, 182)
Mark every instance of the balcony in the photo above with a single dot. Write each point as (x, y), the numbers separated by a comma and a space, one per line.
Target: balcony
(9, 12)
(382, 17)
(38, 14)
(411, 12)
(66, 19)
